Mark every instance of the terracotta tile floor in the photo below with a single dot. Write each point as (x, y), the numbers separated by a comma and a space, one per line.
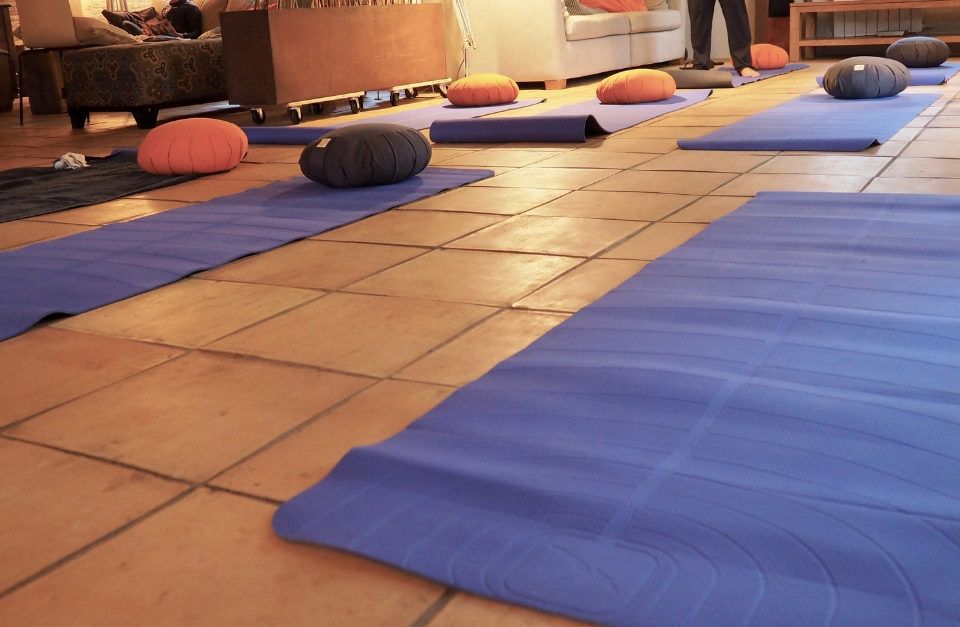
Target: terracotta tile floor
(144, 446)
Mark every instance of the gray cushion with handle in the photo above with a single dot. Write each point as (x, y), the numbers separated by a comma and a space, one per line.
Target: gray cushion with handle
(919, 51)
(866, 77)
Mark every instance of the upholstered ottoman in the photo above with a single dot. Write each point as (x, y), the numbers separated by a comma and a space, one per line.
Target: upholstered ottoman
(142, 78)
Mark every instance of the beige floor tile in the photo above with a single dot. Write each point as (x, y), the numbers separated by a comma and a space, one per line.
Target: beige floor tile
(295, 463)
(909, 167)
(372, 335)
(191, 417)
(119, 210)
(441, 155)
(944, 121)
(189, 313)
(642, 206)
(547, 178)
(664, 182)
(23, 162)
(938, 134)
(481, 348)
(655, 240)
(496, 200)
(696, 119)
(750, 184)
(902, 185)
(586, 158)
(708, 209)
(705, 161)
(21, 233)
(665, 132)
(261, 172)
(468, 276)
(264, 153)
(496, 157)
(575, 237)
(54, 504)
(314, 264)
(201, 189)
(649, 145)
(932, 149)
(45, 367)
(213, 559)
(583, 285)
(412, 228)
(467, 610)
(850, 165)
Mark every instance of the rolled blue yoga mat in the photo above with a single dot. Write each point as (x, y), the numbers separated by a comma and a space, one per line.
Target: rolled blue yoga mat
(817, 122)
(418, 118)
(80, 272)
(738, 80)
(570, 123)
(759, 428)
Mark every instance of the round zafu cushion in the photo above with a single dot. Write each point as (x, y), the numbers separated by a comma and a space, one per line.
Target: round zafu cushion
(366, 154)
(919, 51)
(192, 146)
(866, 77)
(768, 57)
(632, 86)
(480, 90)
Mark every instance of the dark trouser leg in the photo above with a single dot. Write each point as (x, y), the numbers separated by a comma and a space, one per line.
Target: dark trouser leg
(738, 32)
(701, 27)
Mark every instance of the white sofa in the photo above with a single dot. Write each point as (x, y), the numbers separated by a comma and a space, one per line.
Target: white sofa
(534, 40)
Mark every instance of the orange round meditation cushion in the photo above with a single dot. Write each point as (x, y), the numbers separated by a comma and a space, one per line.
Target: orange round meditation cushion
(192, 146)
(478, 90)
(768, 57)
(632, 86)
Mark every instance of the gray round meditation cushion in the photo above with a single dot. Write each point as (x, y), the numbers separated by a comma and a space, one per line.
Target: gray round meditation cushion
(866, 77)
(366, 154)
(919, 51)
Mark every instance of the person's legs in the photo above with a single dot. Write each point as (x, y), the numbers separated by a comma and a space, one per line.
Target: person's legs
(738, 33)
(701, 27)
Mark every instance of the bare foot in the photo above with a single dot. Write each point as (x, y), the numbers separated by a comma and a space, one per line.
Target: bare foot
(749, 72)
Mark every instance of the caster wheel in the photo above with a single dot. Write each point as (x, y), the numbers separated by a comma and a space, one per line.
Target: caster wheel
(296, 116)
(412, 92)
(354, 105)
(394, 98)
(317, 107)
(443, 90)
(259, 117)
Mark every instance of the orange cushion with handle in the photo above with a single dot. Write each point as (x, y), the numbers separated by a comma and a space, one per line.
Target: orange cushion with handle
(616, 6)
(768, 57)
(479, 90)
(192, 146)
(632, 86)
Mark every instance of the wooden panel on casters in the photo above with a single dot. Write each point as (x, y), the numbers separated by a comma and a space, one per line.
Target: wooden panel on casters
(291, 55)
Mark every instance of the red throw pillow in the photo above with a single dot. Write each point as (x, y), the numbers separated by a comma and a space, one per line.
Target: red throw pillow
(616, 6)
(192, 146)
(632, 86)
(768, 57)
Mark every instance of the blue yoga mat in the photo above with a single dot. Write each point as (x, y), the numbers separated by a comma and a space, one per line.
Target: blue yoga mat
(418, 118)
(759, 428)
(920, 76)
(817, 122)
(95, 268)
(738, 80)
(570, 123)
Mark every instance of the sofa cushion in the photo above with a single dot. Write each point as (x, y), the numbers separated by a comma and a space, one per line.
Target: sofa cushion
(641, 85)
(366, 154)
(865, 77)
(654, 21)
(478, 90)
(210, 11)
(192, 146)
(616, 6)
(593, 26)
(93, 31)
(768, 57)
(919, 51)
